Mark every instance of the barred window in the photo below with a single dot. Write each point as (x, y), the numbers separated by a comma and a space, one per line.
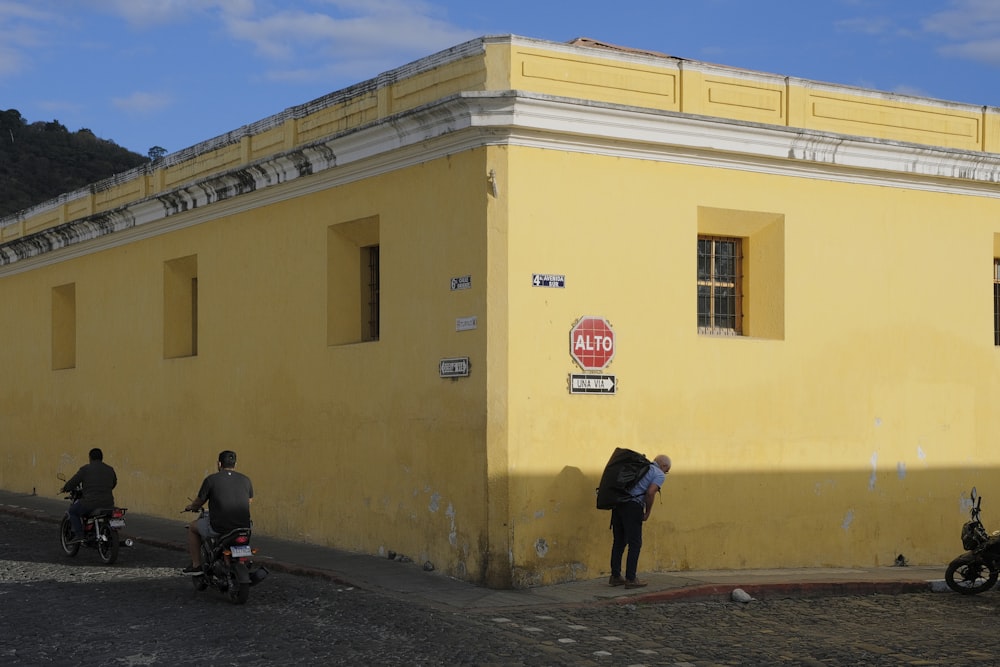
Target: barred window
(996, 301)
(371, 296)
(720, 286)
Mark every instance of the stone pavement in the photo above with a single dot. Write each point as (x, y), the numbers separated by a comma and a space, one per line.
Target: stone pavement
(408, 580)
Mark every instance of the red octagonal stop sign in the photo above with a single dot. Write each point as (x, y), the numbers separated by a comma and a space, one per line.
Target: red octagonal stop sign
(592, 343)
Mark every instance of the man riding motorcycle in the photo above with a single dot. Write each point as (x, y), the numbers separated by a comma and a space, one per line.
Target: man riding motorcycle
(228, 494)
(97, 479)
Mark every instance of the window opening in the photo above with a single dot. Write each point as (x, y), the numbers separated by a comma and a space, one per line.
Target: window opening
(720, 288)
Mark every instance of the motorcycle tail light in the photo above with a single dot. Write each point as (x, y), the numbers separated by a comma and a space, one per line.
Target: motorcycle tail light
(117, 513)
(242, 539)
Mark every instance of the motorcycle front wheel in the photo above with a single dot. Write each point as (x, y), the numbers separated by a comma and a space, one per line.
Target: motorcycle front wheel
(108, 544)
(200, 582)
(970, 577)
(65, 536)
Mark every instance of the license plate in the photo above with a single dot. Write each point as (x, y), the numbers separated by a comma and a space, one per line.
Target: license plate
(240, 552)
(117, 523)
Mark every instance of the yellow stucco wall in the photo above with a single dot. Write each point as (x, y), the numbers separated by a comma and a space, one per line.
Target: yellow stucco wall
(846, 440)
(842, 429)
(345, 443)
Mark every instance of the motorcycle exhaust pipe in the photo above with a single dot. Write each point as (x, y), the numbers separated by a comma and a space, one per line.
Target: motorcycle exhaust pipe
(128, 542)
(258, 575)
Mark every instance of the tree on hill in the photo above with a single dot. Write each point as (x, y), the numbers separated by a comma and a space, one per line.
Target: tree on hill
(42, 160)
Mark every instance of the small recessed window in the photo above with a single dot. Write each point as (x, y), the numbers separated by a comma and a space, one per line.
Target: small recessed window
(180, 307)
(720, 286)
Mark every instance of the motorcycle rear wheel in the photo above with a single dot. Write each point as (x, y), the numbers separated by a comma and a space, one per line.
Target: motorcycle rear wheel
(970, 577)
(238, 593)
(66, 535)
(108, 544)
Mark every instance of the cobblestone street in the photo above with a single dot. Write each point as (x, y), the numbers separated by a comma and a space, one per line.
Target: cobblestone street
(141, 611)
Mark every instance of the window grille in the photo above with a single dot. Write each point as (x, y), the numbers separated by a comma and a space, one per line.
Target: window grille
(996, 301)
(720, 286)
(373, 292)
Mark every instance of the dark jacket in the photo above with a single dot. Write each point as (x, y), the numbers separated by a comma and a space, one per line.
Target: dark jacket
(98, 479)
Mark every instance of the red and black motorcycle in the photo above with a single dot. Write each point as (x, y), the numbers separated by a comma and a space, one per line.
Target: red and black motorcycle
(227, 565)
(976, 570)
(100, 530)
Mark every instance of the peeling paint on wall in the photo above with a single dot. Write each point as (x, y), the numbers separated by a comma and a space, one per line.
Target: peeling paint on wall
(435, 502)
(920, 453)
(452, 530)
(964, 504)
(848, 520)
(541, 548)
(539, 514)
(871, 480)
(818, 488)
(901, 470)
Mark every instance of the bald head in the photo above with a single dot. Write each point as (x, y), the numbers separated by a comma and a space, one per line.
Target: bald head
(663, 462)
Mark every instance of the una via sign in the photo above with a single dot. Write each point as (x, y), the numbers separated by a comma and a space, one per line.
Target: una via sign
(593, 384)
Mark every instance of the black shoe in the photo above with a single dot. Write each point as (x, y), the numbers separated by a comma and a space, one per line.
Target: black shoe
(75, 540)
(192, 570)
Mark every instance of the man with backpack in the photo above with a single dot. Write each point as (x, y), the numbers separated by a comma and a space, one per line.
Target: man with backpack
(627, 517)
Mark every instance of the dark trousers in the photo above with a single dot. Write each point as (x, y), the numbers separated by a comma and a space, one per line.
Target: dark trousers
(75, 511)
(626, 526)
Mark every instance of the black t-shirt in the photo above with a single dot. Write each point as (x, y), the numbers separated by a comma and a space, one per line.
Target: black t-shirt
(98, 479)
(228, 494)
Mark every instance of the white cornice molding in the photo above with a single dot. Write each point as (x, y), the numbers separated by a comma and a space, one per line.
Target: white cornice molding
(472, 120)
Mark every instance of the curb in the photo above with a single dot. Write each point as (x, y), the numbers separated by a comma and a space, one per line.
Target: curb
(720, 593)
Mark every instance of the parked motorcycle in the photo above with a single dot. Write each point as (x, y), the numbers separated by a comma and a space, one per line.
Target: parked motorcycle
(100, 530)
(977, 569)
(227, 565)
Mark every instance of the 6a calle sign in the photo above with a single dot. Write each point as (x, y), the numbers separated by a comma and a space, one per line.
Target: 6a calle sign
(592, 343)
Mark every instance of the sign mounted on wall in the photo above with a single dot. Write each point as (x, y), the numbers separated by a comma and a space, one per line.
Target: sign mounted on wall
(592, 384)
(592, 343)
(461, 282)
(454, 367)
(548, 280)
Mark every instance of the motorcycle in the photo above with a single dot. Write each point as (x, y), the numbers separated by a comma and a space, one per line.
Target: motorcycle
(100, 530)
(227, 564)
(976, 570)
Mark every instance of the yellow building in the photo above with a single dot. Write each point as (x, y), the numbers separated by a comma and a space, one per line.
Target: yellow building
(370, 297)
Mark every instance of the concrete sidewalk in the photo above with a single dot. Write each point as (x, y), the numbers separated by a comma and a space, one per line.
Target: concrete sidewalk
(408, 580)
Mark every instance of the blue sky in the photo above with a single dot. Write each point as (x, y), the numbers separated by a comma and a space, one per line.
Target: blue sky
(172, 73)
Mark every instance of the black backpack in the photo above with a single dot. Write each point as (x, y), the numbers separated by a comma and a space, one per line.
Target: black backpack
(624, 469)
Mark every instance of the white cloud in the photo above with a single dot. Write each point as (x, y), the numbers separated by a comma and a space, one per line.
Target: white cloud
(874, 25)
(974, 25)
(142, 103)
(19, 25)
(150, 13)
(349, 35)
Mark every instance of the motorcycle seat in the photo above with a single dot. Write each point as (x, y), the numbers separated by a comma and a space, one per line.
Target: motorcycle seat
(103, 511)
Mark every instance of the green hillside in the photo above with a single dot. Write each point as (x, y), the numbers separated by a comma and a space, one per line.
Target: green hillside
(41, 160)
